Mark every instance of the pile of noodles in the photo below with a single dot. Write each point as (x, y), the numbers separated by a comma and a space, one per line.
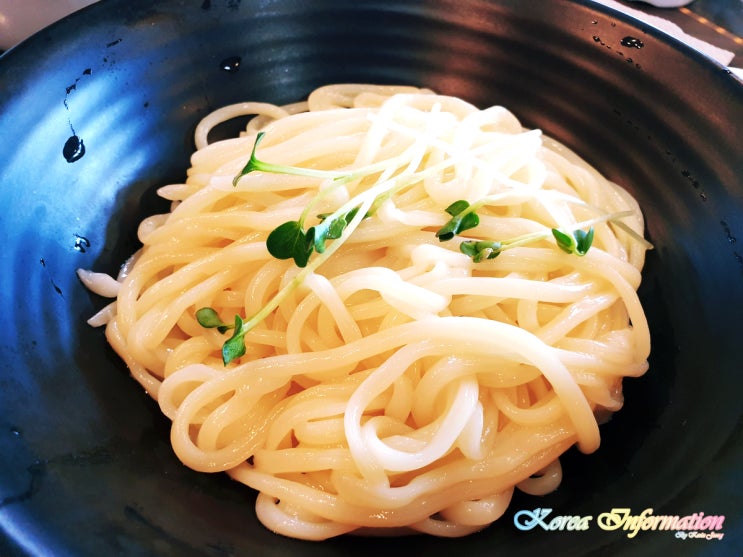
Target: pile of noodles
(400, 385)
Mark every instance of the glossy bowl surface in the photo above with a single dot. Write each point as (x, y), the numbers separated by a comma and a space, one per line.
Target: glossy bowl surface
(99, 109)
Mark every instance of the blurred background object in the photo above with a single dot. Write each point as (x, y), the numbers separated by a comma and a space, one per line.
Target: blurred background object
(666, 3)
(22, 18)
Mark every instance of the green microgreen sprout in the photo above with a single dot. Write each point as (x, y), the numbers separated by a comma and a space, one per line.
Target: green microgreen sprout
(480, 250)
(209, 319)
(463, 217)
(291, 240)
(576, 243)
(235, 346)
(255, 164)
(332, 228)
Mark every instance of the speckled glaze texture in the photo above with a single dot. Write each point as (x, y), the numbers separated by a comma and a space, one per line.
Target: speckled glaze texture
(99, 110)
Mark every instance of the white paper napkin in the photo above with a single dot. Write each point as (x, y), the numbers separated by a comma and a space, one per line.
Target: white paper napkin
(721, 55)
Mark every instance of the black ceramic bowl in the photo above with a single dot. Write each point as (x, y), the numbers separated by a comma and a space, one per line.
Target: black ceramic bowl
(98, 110)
